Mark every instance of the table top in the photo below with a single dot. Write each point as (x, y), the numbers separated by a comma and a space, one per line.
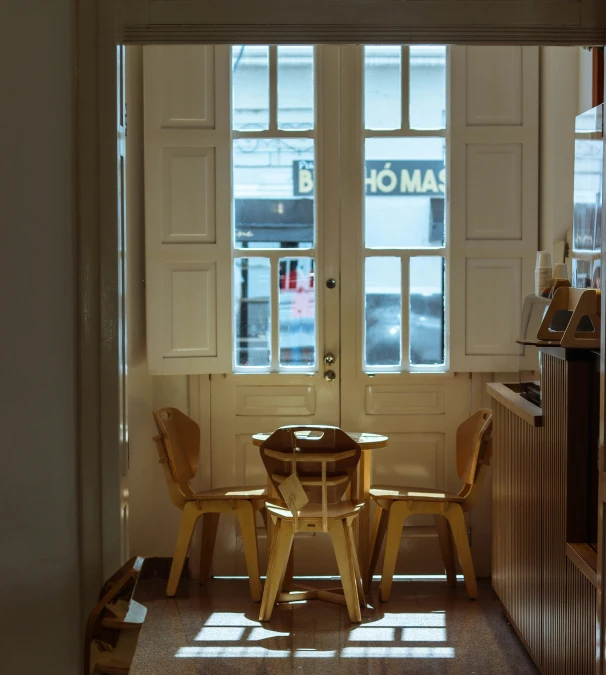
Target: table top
(365, 440)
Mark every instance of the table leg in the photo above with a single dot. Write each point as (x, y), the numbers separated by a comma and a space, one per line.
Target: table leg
(272, 494)
(364, 518)
(354, 495)
(354, 488)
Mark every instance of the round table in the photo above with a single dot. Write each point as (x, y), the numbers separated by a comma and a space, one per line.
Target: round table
(360, 486)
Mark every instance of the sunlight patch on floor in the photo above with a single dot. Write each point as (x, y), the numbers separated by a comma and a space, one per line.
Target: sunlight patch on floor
(372, 634)
(333, 577)
(346, 652)
(398, 629)
(398, 652)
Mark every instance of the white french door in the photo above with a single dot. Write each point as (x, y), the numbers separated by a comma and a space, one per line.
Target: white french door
(319, 266)
(309, 203)
(286, 306)
(394, 272)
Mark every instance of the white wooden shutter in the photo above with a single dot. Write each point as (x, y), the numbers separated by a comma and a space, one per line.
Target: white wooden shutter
(493, 201)
(187, 209)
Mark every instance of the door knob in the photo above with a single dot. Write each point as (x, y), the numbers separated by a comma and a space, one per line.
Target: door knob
(329, 359)
(329, 375)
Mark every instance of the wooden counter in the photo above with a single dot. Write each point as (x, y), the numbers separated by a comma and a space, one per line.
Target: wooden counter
(541, 567)
(508, 394)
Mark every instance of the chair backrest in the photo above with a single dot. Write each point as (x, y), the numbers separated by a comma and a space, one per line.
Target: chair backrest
(326, 458)
(179, 448)
(474, 445)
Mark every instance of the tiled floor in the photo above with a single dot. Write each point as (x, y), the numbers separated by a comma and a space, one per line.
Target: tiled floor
(425, 628)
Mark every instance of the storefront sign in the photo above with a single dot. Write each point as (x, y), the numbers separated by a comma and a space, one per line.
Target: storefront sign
(396, 178)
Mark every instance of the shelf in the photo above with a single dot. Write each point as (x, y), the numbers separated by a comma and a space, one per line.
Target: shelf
(585, 559)
(539, 343)
(133, 620)
(509, 396)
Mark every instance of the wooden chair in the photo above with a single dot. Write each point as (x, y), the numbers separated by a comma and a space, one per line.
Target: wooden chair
(325, 459)
(113, 627)
(178, 445)
(395, 504)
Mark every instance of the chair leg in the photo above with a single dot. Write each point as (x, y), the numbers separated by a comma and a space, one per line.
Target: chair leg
(379, 528)
(210, 522)
(339, 536)
(265, 516)
(448, 555)
(287, 582)
(354, 556)
(398, 513)
(248, 529)
(455, 517)
(271, 556)
(189, 516)
(283, 536)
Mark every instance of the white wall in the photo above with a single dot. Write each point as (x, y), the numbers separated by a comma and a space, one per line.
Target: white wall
(585, 66)
(39, 564)
(566, 91)
(560, 67)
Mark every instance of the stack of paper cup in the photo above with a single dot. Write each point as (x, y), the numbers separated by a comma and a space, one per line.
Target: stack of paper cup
(542, 272)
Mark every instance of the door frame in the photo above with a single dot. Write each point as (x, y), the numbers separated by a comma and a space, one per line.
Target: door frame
(99, 379)
(601, 564)
(99, 28)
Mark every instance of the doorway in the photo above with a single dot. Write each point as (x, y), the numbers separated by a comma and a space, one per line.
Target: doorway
(105, 170)
(330, 240)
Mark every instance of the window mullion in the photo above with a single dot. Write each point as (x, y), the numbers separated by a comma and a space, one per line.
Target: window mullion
(405, 75)
(274, 314)
(273, 88)
(404, 313)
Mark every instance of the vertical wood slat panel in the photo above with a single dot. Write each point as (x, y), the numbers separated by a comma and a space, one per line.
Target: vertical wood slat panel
(517, 527)
(549, 600)
(553, 451)
(526, 533)
(581, 608)
(501, 530)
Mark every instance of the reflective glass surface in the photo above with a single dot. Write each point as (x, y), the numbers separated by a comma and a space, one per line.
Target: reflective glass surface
(383, 311)
(273, 192)
(405, 189)
(426, 328)
(297, 308)
(253, 311)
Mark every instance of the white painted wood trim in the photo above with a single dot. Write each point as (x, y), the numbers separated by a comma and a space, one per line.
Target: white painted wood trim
(352, 206)
(463, 247)
(405, 84)
(205, 347)
(110, 382)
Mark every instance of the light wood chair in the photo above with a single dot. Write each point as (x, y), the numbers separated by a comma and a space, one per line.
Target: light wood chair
(113, 627)
(325, 459)
(178, 445)
(395, 504)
